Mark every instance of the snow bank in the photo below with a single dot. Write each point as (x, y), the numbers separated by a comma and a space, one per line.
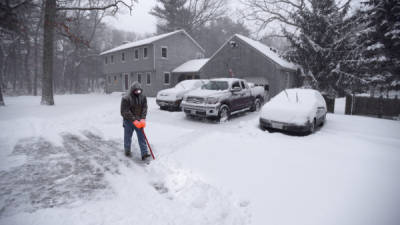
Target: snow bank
(205, 172)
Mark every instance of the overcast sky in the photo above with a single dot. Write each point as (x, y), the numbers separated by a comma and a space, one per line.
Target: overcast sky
(141, 22)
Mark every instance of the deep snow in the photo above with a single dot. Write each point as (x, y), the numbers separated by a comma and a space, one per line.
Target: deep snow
(64, 164)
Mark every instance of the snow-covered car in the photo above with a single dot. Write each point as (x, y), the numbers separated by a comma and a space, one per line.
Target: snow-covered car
(297, 110)
(222, 97)
(172, 97)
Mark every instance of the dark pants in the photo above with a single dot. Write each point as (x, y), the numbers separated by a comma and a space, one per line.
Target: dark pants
(128, 131)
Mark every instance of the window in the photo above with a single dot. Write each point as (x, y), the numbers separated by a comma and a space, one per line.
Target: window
(136, 54)
(115, 78)
(109, 79)
(166, 78)
(123, 57)
(106, 60)
(145, 53)
(287, 80)
(242, 84)
(112, 59)
(164, 53)
(139, 78)
(148, 81)
(236, 85)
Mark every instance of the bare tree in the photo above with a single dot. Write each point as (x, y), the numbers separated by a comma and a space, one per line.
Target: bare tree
(190, 15)
(278, 12)
(50, 23)
(10, 25)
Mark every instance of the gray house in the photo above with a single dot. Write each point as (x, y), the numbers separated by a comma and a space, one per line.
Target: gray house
(149, 61)
(242, 57)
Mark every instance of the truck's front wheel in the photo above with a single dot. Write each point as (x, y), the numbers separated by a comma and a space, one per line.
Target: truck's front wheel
(224, 113)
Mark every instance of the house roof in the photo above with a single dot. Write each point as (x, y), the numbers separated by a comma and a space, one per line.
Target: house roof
(263, 49)
(149, 40)
(266, 50)
(191, 66)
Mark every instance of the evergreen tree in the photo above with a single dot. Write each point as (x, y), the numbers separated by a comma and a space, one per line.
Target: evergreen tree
(172, 15)
(321, 42)
(379, 58)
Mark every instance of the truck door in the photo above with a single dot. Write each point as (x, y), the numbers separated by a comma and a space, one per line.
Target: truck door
(247, 99)
(236, 97)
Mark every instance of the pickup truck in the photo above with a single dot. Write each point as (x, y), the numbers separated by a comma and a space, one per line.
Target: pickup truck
(222, 97)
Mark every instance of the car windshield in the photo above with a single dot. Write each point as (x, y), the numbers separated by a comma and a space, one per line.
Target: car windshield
(216, 85)
(187, 84)
(296, 96)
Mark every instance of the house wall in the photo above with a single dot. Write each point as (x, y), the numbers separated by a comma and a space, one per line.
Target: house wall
(244, 61)
(180, 49)
(130, 66)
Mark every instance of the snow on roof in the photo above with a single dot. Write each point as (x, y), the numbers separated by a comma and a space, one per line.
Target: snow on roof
(147, 41)
(191, 66)
(264, 49)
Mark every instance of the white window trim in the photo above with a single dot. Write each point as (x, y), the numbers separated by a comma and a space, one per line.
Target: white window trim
(137, 78)
(169, 78)
(148, 74)
(147, 52)
(166, 47)
(123, 60)
(134, 54)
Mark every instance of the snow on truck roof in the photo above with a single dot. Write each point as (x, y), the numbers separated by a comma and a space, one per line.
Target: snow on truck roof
(190, 66)
(147, 41)
(265, 50)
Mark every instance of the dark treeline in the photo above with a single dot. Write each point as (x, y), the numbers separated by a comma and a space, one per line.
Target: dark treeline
(52, 46)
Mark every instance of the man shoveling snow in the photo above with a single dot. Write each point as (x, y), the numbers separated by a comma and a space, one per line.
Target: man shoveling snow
(134, 111)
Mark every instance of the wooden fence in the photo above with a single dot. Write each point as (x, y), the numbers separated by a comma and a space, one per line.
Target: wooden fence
(330, 103)
(372, 106)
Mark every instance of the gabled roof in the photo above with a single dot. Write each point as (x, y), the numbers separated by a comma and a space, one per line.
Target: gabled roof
(191, 66)
(263, 49)
(149, 40)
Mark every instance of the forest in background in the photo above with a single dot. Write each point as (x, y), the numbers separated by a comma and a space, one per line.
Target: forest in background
(53, 46)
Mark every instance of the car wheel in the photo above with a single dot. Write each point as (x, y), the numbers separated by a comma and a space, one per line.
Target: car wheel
(224, 113)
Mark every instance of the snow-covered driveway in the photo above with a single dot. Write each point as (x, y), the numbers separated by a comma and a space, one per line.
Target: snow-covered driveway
(65, 165)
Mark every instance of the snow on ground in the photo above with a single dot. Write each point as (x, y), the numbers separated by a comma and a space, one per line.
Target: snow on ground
(64, 164)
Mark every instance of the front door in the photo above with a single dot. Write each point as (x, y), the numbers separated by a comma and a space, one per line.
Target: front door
(126, 83)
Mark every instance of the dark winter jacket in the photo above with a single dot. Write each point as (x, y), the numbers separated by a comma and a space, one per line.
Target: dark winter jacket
(134, 107)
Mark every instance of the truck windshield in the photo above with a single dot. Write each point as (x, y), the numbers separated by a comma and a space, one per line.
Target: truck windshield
(216, 85)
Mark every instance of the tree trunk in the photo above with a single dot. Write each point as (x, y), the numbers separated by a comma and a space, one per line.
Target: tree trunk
(1, 91)
(2, 69)
(47, 79)
(26, 65)
(14, 68)
(35, 62)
